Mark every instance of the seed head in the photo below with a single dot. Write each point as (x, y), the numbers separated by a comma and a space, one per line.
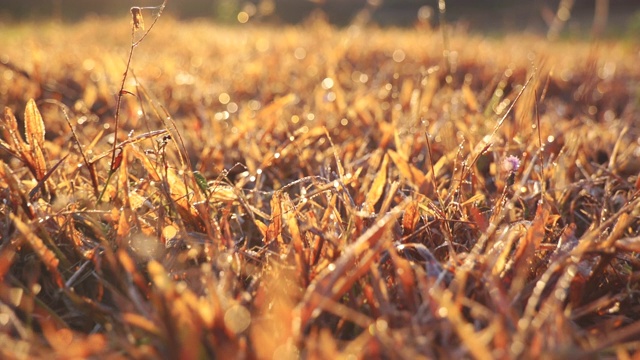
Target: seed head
(136, 18)
(510, 164)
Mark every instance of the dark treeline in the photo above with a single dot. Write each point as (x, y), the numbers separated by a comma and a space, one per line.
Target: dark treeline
(485, 13)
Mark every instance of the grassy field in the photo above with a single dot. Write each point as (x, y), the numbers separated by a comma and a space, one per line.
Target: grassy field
(316, 192)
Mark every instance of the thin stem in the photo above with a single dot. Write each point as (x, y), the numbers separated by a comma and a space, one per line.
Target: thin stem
(121, 92)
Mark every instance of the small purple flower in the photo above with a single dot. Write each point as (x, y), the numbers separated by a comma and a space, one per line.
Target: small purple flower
(510, 164)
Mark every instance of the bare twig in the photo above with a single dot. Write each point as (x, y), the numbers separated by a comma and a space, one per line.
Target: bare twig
(135, 14)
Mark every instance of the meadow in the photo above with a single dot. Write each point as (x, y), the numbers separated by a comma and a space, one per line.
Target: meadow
(316, 192)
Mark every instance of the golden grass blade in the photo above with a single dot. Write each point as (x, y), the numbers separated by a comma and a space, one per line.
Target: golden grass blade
(410, 218)
(123, 233)
(44, 179)
(12, 134)
(159, 277)
(179, 192)
(290, 215)
(57, 338)
(619, 230)
(39, 163)
(17, 197)
(123, 177)
(263, 228)
(408, 171)
(30, 153)
(129, 266)
(404, 275)
(142, 323)
(390, 198)
(223, 192)
(335, 155)
(274, 229)
(478, 219)
(46, 255)
(269, 114)
(631, 244)
(469, 98)
(525, 249)
(34, 132)
(536, 233)
(146, 163)
(34, 125)
(335, 280)
(470, 338)
(7, 257)
(378, 186)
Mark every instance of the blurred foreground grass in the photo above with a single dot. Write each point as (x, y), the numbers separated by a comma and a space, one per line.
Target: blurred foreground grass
(317, 192)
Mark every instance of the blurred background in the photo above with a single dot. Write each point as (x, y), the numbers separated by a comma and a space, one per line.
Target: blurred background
(612, 17)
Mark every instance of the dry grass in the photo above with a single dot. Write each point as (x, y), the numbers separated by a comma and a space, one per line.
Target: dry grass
(318, 193)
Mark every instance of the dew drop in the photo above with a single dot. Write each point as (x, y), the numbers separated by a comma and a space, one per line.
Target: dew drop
(327, 83)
